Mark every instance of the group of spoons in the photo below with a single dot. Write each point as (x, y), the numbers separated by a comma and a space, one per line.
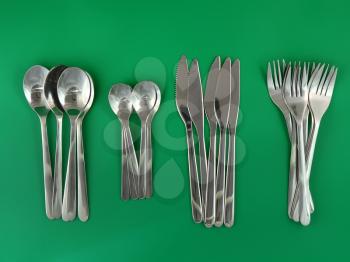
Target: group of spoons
(144, 98)
(62, 90)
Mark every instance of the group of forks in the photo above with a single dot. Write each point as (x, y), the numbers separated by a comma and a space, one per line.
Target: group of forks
(212, 191)
(301, 92)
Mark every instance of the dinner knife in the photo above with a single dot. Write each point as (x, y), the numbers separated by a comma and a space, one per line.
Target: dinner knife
(182, 86)
(196, 109)
(232, 125)
(210, 112)
(222, 109)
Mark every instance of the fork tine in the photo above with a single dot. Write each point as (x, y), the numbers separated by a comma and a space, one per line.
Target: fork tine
(275, 75)
(330, 87)
(270, 84)
(279, 73)
(283, 67)
(305, 78)
(294, 83)
(315, 78)
(287, 85)
(322, 81)
(327, 80)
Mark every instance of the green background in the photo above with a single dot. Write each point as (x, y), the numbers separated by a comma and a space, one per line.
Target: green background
(134, 40)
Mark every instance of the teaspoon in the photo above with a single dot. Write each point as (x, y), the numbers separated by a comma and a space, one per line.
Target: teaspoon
(144, 97)
(149, 188)
(73, 93)
(120, 101)
(83, 204)
(33, 86)
(50, 91)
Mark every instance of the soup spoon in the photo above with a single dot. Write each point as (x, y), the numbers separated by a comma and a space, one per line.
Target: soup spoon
(33, 86)
(83, 204)
(144, 98)
(50, 91)
(120, 101)
(149, 188)
(73, 93)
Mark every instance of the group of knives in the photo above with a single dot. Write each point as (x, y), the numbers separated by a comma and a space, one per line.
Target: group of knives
(213, 187)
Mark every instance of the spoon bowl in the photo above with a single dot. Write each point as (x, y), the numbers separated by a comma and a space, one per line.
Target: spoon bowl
(33, 86)
(120, 100)
(74, 91)
(144, 98)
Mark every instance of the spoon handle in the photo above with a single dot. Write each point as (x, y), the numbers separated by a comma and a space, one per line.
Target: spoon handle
(57, 178)
(47, 168)
(83, 204)
(143, 161)
(149, 187)
(125, 194)
(69, 197)
(132, 163)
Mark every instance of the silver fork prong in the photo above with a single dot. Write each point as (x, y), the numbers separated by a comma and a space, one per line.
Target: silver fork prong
(327, 81)
(317, 74)
(314, 71)
(323, 80)
(270, 84)
(287, 85)
(330, 87)
(299, 81)
(279, 73)
(283, 67)
(305, 78)
(275, 75)
(294, 82)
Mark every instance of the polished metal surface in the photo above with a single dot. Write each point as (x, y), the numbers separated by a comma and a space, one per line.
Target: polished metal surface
(149, 187)
(196, 109)
(74, 91)
(144, 98)
(232, 126)
(50, 90)
(275, 86)
(222, 109)
(182, 85)
(83, 203)
(120, 100)
(209, 106)
(296, 97)
(33, 86)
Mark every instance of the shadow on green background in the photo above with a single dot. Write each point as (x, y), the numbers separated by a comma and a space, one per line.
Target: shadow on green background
(137, 40)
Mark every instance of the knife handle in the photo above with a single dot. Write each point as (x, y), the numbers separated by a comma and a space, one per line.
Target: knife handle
(220, 182)
(230, 182)
(196, 203)
(210, 201)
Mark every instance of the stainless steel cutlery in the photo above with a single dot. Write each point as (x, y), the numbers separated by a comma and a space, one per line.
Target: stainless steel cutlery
(212, 200)
(298, 91)
(62, 90)
(145, 99)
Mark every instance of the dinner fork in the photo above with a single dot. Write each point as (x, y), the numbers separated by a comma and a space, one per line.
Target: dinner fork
(275, 83)
(296, 97)
(321, 90)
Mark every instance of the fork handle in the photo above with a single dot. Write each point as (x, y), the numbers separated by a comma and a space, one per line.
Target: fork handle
(220, 181)
(302, 183)
(196, 203)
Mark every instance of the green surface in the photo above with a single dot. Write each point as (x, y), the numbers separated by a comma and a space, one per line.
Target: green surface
(137, 40)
